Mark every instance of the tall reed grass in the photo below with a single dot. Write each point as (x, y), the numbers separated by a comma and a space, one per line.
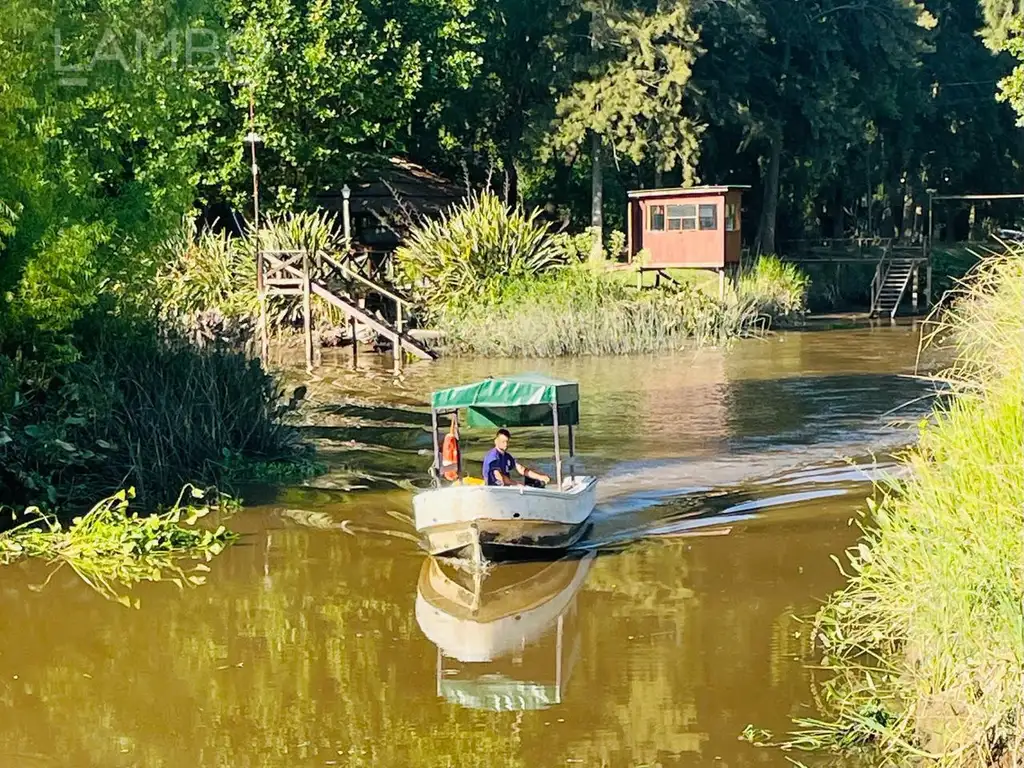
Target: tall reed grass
(778, 288)
(927, 640)
(579, 311)
(137, 409)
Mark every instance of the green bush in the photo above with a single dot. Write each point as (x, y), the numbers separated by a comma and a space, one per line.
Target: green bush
(577, 247)
(774, 287)
(207, 286)
(950, 263)
(137, 410)
(450, 259)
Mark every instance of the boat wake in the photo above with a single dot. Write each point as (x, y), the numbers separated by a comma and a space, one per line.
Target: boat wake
(709, 496)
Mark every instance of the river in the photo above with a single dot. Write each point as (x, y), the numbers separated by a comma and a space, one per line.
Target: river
(326, 637)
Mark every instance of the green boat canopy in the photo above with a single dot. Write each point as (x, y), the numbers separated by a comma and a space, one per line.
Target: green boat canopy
(524, 400)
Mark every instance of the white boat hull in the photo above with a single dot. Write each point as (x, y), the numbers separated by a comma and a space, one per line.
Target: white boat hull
(476, 516)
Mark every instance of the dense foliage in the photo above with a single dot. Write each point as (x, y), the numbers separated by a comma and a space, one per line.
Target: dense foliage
(136, 409)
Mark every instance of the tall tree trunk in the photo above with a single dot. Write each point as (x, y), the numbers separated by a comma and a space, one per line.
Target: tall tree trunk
(511, 178)
(838, 215)
(596, 201)
(892, 221)
(770, 202)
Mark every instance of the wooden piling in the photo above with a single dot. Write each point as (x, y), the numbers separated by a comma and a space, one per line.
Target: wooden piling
(307, 312)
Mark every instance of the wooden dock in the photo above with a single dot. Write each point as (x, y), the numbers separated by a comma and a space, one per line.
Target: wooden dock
(898, 267)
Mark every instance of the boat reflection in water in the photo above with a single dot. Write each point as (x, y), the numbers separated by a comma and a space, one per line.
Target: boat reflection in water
(507, 640)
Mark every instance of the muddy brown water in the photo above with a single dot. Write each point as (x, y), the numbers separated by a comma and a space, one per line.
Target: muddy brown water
(326, 637)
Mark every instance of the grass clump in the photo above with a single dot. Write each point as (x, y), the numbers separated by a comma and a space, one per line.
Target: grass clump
(778, 289)
(579, 311)
(111, 547)
(206, 288)
(930, 630)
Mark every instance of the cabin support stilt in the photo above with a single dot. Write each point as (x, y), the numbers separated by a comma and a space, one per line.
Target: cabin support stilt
(307, 313)
(355, 343)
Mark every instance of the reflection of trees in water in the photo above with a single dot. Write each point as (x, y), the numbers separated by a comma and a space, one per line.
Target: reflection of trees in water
(683, 642)
(306, 666)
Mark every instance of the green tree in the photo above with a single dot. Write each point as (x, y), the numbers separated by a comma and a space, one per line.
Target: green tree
(338, 85)
(801, 83)
(99, 147)
(630, 92)
(1004, 33)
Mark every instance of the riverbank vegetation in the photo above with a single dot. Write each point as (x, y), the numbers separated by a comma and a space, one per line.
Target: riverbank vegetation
(927, 642)
(577, 310)
(497, 282)
(135, 409)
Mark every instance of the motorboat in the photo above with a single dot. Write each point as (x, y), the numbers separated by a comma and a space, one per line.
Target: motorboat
(468, 518)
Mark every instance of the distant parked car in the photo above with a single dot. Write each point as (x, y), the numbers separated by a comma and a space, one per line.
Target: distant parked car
(1010, 235)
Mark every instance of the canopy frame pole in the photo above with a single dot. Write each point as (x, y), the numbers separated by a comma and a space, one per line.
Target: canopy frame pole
(572, 453)
(455, 415)
(437, 449)
(558, 454)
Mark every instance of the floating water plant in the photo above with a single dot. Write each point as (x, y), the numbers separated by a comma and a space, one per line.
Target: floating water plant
(113, 548)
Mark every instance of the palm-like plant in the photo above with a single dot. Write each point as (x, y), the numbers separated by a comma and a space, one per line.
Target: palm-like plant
(457, 255)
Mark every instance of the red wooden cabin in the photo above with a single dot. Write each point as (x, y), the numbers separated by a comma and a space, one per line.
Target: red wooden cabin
(694, 227)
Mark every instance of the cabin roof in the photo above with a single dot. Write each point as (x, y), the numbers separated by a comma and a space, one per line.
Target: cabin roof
(639, 194)
(419, 188)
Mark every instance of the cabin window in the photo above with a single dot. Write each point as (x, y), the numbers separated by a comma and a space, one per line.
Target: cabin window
(682, 217)
(657, 218)
(709, 217)
(730, 217)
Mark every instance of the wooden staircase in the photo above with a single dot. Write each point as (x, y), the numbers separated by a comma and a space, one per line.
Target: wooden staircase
(893, 277)
(342, 285)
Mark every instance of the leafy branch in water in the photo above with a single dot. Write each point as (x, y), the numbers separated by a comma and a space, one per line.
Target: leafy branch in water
(112, 547)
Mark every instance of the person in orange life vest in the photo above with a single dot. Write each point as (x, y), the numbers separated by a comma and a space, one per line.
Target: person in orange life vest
(450, 452)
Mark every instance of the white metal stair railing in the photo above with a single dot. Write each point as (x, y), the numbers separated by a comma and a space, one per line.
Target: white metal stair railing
(890, 285)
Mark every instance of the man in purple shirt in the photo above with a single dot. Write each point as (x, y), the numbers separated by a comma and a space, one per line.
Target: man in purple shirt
(499, 463)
